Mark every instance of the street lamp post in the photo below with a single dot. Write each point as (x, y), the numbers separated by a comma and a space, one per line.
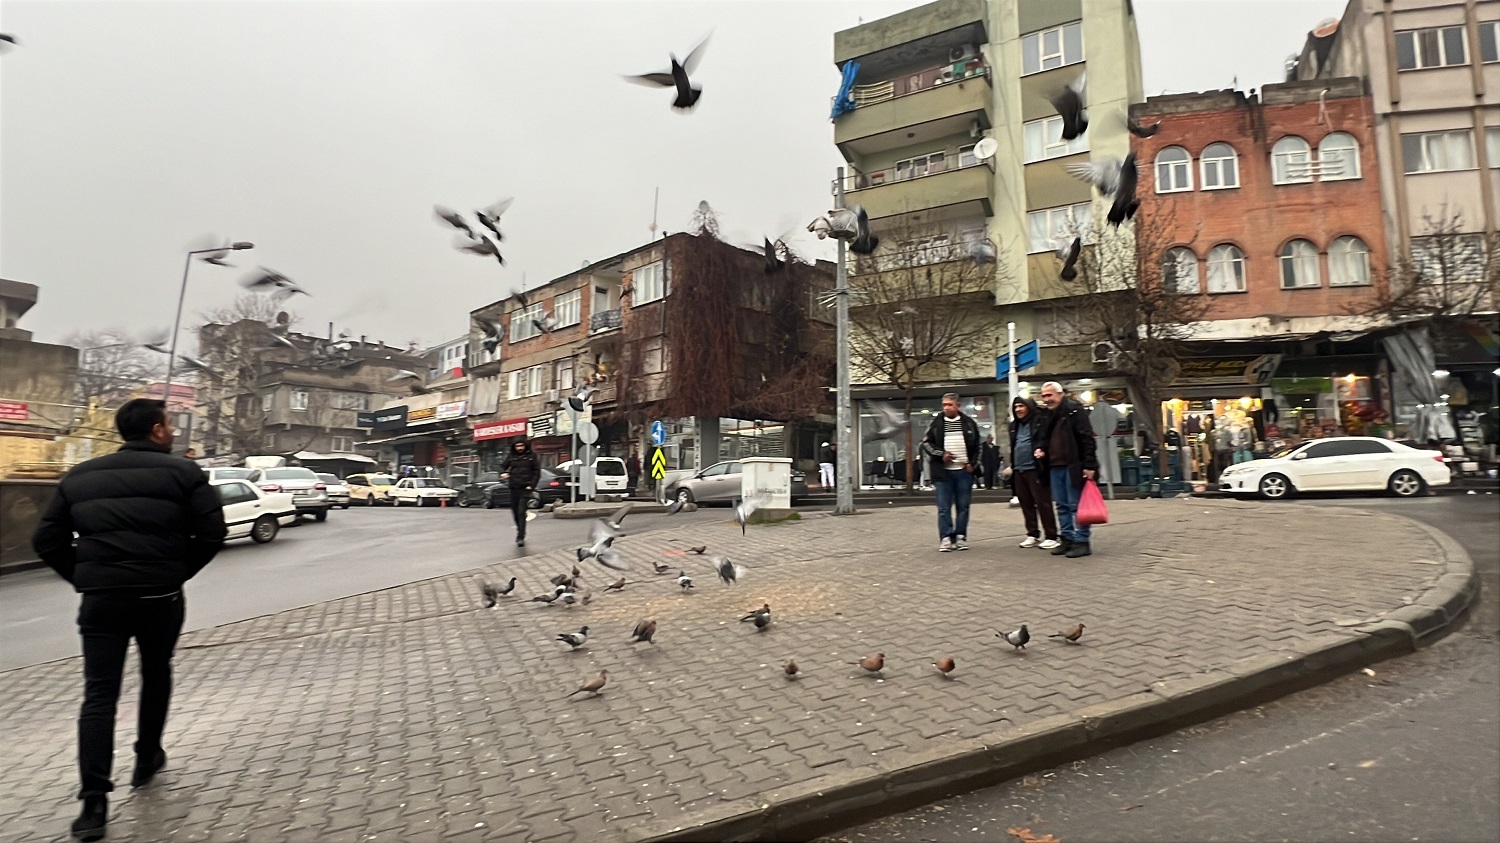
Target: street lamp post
(166, 387)
(847, 467)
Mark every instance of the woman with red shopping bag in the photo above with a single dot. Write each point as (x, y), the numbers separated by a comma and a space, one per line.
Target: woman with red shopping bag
(1065, 445)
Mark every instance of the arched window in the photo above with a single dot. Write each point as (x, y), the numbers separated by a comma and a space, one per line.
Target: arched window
(1179, 270)
(1299, 265)
(1348, 263)
(1226, 269)
(1338, 157)
(1174, 170)
(1289, 161)
(1220, 167)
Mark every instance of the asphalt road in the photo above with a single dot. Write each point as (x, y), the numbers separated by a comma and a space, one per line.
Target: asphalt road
(353, 552)
(1411, 753)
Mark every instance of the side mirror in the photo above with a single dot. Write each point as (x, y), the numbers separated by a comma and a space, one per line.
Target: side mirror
(1301, 456)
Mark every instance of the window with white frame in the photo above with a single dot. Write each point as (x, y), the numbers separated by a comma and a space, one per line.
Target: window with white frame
(1439, 46)
(1492, 145)
(1435, 152)
(966, 156)
(1291, 161)
(568, 308)
(653, 357)
(299, 399)
(349, 400)
(1489, 41)
(562, 375)
(1226, 269)
(1174, 170)
(1043, 140)
(1179, 271)
(921, 165)
(1057, 224)
(342, 445)
(1220, 167)
(1050, 48)
(1299, 265)
(267, 401)
(1338, 157)
(524, 383)
(1348, 262)
(1449, 258)
(523, 322)
(648, 284)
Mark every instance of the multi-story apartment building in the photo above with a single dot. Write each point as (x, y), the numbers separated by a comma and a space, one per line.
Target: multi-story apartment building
(640, 327)
(931, 84)
(428, 427)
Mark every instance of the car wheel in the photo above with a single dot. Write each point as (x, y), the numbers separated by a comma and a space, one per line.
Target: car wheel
(463, 502)
(321, 516)
(264, 529)
(1405, 483)
(489, 503)
(534, 503)
(684, 495)
(369, 500)
(1274, 487)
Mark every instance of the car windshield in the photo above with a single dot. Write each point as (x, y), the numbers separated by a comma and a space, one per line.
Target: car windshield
(233, 473)
(381, 480)
(610, 468)
(329, 478)
(426, 483)
(1284, 452)
(290, 474)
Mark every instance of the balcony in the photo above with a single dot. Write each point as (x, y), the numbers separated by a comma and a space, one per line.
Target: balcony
(939, 180)
(891, 40)
(604, 320)
(925, 105)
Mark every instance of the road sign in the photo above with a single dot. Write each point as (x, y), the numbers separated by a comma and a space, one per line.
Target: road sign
(1027, 357)
(659, 463)
(658, 433)
(588, 433)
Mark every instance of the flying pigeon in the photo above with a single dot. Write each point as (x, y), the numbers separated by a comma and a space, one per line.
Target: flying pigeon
(593, 686)
(493, 335)
(675, 506)
(403, 374)
(981, 251)
(643, 631)
(821, 227)
(684, 580)
(745, 508)
(873, 664)
(866, 242)
(889, 422)
(729, 572)
(575, 639)
(1068, 254)
(761, 616)
(194, 364)
(279, 339)
(547, 324)
(270, 281)
(490, 217)
(454, 219)
(476, 245)
(1016, 638)
(1112, 177)
(7, 43)
(615, 522)
(677, 77)
(1071, 634)
(1069, 105)
(773, 263)
(160, 346)
(1140, 131)
(220, 250)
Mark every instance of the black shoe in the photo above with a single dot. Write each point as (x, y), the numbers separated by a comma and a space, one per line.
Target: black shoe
(520, 541)
(1079, 549)
(147, 767)
(90, 824)
(1064, 545)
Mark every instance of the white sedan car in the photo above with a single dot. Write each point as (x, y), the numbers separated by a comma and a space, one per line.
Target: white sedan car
(1348, 463)
(248, 511)
(420, 491)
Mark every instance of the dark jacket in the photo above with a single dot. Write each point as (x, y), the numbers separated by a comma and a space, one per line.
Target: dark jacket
(1071, 421)
(826, 454)
(523, 468)
(989, 456)
(932, 443)
(1033, 418)
(146, 522)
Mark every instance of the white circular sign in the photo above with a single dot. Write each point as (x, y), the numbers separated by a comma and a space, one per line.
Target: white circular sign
(588, 433)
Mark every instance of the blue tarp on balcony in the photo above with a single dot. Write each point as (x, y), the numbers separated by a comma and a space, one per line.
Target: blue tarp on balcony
(844, 102)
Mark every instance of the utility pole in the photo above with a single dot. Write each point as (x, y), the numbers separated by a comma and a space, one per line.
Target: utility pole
(847, 467)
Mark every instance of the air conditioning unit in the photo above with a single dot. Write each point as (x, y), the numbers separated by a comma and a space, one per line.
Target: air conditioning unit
(553, 396)
(1103, 352)
(964, 53)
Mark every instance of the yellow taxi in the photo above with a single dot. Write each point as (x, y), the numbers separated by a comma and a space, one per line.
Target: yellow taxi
(369, 489)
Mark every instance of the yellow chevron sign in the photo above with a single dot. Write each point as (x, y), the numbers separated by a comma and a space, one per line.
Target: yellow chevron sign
(659, 464)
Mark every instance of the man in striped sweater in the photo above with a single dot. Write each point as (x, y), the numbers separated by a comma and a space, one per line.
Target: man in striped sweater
(952, 448)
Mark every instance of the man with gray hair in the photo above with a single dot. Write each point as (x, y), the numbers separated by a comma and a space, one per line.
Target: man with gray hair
(1065, 451)
(951, 447)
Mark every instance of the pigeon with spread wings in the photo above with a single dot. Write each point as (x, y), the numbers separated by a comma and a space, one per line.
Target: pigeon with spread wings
(677, 77)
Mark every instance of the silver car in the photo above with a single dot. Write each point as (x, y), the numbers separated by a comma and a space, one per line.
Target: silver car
(308, 492)
(338, 493)
(723, 481)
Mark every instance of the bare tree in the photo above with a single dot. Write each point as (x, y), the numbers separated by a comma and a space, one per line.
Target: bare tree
(235, 341)
(1449, 276)
(113, 366)
(917, 306)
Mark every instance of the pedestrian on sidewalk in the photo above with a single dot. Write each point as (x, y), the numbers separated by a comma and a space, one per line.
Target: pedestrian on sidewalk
(521, 473)
(1065, 445)
(989, 460)
(1028, 476)
(827, 455)
(951, 447)
(632, 474)
(146, 522)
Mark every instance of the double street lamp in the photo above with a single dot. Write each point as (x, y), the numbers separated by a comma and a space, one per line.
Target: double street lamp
(166, 388)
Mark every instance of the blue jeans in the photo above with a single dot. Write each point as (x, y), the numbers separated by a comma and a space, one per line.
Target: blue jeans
(1065, 494)
(955, 488)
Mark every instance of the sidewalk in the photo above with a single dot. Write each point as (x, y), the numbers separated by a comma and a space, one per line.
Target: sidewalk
(413, 714)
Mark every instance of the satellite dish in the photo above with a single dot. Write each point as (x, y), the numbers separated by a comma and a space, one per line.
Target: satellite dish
(1326, 27)
(985, 149)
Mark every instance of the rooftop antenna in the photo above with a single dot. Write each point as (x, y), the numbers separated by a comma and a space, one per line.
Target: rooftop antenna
(655, 202)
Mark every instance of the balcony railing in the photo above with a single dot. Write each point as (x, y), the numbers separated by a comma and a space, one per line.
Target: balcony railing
(604, 320)
(930, 165)
(908, 257)
(915, 83)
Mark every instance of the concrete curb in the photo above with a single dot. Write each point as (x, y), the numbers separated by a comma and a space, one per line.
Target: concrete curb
(810, 809)
(599, 510)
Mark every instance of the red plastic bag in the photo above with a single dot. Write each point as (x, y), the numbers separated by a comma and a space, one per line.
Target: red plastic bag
(1091, 509)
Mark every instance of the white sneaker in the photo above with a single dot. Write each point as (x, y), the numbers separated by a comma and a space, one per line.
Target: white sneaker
(946, 545)
(1031, 541)
(960, 544)
(1048, 544)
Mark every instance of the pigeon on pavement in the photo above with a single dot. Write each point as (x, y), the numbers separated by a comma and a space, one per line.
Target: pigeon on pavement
(761, 616)
(790, 669)
(729, 572)
(617, 585)
(575, 639)
(684, 580)
(594, 686)
(1071, 634)
(945, 665)
(643, 631)
(873, 664)
(1017, 638)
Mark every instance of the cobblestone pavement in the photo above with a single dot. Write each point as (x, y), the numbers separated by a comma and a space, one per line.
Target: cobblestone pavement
(414, 714)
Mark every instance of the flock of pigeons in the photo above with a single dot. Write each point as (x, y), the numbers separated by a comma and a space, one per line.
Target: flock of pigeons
(600, 547)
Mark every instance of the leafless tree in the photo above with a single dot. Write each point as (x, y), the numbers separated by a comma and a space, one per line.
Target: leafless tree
(234, 341)
(918, 305)
(113, 366)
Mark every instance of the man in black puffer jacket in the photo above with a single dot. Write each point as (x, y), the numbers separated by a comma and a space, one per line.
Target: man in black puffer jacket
(522, 472)
(146, 522)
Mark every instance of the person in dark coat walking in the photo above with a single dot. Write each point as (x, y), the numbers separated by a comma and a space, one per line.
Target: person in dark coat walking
(951, 447)
(989, 460)
(632, 473)
(1028, 476)
(146, 522)
(1065, 445)
(521, 472)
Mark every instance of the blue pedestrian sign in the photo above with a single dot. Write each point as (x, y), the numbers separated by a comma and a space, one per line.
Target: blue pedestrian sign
(658, 433)
(1027, 357)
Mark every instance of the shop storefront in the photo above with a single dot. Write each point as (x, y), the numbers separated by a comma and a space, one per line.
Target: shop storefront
(492, 442)
(882, 460)
(1221, 412)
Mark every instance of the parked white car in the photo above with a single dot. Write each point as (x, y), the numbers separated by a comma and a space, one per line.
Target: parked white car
(248, 511)
(229, 473)
(338, 493)
(610, 475)
(1346, 463)
(420, 491)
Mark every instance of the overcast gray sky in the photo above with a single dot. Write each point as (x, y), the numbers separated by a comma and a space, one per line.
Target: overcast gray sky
(325, 131)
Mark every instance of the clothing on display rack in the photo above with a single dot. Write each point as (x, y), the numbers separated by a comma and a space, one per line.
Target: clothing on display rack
(1105, 419)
